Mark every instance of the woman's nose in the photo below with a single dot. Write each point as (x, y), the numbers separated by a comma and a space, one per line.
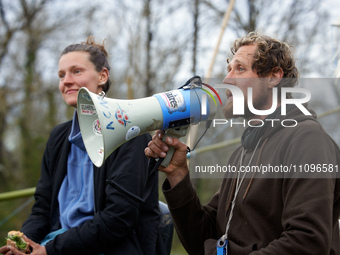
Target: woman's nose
(68, 79)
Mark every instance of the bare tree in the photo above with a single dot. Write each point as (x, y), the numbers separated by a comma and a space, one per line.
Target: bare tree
(300, 23)
(28, 101)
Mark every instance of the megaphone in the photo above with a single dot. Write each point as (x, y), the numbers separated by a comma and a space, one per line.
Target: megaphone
(107, 123)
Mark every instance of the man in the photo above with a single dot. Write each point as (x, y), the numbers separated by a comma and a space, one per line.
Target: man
(287, 214)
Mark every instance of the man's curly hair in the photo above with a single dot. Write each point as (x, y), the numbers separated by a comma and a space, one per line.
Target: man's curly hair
(270, 56)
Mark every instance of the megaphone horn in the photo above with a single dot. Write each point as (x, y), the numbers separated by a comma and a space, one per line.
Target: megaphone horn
(107, 123)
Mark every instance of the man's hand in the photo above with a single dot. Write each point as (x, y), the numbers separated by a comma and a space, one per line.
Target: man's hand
(178, 167)
(37, 249)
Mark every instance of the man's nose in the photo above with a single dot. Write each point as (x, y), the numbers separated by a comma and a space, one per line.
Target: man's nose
(229, 79)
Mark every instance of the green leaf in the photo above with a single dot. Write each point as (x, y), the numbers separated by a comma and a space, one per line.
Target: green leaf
(20, 243)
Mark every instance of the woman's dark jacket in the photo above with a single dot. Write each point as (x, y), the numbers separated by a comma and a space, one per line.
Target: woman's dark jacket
(121, 224)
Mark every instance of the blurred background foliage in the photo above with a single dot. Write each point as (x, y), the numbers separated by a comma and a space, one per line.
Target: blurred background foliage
(154, 46)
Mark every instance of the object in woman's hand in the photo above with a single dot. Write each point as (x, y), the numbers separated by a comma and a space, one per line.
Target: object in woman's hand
(16, 240)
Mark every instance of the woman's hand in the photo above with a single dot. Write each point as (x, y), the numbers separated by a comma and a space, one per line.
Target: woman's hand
(37, 249)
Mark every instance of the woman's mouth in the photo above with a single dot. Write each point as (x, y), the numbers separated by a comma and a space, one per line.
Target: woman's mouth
(71, 91)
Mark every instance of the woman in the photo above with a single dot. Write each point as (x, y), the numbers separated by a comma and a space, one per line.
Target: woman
(82, 209)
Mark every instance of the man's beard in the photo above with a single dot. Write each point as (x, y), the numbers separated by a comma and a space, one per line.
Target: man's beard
(258, 103)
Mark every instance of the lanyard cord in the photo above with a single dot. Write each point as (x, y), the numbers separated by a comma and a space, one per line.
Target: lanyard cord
(237, 189)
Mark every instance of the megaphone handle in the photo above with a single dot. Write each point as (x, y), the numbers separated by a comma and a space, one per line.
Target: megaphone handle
(176, 133)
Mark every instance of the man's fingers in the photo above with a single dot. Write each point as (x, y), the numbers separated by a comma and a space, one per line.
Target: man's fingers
(176, 143)
(156, 148)
(157, 139)
(154, 151)
(159, 134)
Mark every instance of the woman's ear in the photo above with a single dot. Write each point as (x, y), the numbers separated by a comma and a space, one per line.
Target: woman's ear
(275, 77)
(103, 76)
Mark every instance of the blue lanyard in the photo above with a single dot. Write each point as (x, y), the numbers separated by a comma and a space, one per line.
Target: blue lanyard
(222, 247)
